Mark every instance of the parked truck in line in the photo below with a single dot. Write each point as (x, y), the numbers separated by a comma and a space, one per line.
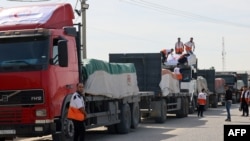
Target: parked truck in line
(230, 80)
(169, 97)
(220, 90)
(40, 65)
(209, 75)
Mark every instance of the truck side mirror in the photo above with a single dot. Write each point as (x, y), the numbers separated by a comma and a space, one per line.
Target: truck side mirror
(63, 53)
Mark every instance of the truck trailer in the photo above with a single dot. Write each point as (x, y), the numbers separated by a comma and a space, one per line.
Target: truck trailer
(171, 96)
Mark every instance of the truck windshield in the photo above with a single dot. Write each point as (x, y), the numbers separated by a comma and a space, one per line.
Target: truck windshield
(186, 75)
(24, 53)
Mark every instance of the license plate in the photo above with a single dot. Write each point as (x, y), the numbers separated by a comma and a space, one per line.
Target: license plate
(5, 132)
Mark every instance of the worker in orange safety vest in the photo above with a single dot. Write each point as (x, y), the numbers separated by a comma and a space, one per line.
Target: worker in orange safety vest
(77, 113)
(179, 46)
(201, 100)
(189, 46)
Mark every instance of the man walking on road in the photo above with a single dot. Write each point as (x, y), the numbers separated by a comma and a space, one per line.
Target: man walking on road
(228, 102)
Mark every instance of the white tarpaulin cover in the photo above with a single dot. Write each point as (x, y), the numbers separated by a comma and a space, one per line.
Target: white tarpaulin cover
(201, 83)
(116, 80)
(169, 83)
(55, 15)
(173, 59)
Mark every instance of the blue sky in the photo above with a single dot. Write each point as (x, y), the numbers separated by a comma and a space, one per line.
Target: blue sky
(147, 26)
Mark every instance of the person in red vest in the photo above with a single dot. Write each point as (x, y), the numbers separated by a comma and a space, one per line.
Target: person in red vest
(165, 53)
(189, 46)
(77, 113)
(201, 102)
(179, 46)
(244, 99)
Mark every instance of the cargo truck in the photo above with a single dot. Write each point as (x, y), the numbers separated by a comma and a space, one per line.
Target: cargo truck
(230, 80)
(40, 65)
(169, 97)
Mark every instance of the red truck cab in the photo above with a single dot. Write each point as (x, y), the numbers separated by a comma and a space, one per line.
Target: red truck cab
(37, 69)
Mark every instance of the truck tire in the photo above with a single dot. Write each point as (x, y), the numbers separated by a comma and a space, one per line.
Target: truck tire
(181, 113)
(2, 139)
(223, 103)
(125, 120)
(192, 107)
(162, 118)
(214, 101)
(234, 99)
(135, 115)
(186, 106)
(67, 131)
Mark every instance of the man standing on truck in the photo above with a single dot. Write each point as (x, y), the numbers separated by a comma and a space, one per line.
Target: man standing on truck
(201, 102)
(189, 46)
(77, 112)
(179, 46)
(244, 99)
(228, 101)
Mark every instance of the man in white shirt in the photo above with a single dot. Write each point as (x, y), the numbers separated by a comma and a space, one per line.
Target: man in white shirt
(189, 46)
(179, 46)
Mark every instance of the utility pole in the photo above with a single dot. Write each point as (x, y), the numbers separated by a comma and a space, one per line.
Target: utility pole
(84, 7)
(223, 55)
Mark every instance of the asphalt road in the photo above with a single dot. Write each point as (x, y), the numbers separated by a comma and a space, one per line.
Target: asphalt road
(191, 128)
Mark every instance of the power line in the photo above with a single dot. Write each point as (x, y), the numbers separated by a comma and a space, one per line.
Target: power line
(188, 15)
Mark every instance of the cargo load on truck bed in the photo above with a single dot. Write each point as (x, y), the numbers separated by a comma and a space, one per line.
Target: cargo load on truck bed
(116, 80)
(169, 83)
(201, 83)
(173, 59)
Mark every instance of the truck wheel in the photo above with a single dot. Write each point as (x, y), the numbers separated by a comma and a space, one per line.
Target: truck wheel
(192, 107)
(67, 131)
(186, 107)
(223, 103)
(214, 101)
(181, 113)
(163, 111)
(2, 139)
(234, 100)
(125, 116)
(135, 116)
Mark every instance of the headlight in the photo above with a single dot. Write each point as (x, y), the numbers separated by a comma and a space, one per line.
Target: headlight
(41, 113)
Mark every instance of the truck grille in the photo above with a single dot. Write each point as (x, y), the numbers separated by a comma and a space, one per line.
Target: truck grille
(21, 97)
